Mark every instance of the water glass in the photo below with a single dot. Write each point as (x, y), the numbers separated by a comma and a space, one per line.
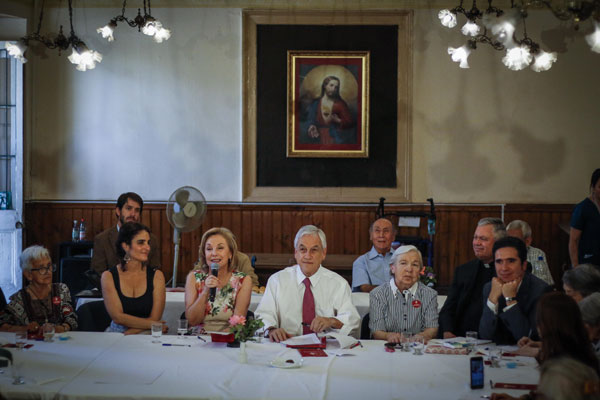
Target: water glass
(495, 357)
(48, 331)
(182, 327)
(20, 339)
(405, 342)
(418, 345)
(471, 337)
(156, 329)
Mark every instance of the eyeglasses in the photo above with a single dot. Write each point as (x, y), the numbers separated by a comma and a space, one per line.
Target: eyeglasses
(44, 270)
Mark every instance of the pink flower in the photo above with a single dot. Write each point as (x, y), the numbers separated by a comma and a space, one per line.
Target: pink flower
(237, 320)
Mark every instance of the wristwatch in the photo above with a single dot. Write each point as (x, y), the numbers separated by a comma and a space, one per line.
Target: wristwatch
(268, 330)
(508, 299)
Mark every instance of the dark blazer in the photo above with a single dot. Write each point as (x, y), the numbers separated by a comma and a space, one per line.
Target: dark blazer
(460, 295)
(105, 254)
(510, 326)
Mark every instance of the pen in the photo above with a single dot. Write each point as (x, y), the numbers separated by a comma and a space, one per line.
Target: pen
(356, 345)
(305, 324)
(201, 338)
(177, 344)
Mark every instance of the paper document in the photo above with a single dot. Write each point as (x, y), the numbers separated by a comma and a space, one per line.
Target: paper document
(311, 338)
(345, 341)
(412, 222)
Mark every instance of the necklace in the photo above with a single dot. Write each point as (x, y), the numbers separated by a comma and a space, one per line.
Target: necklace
(45, 303)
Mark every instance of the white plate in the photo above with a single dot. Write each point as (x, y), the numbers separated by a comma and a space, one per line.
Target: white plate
(283, 363)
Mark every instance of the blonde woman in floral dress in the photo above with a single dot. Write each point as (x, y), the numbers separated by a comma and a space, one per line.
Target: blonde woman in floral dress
(233, 288)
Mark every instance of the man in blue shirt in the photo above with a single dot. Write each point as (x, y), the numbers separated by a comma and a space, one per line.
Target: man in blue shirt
(373, 268)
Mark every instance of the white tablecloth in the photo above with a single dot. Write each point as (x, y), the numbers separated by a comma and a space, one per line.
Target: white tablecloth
(100, 366)
(175, 305)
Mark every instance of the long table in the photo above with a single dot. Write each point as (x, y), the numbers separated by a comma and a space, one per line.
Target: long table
(175, 305)
(94, 365)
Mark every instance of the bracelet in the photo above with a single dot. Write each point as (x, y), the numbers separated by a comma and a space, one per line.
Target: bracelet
(507, 299)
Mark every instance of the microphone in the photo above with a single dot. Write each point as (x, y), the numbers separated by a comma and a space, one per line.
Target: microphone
(214, 271)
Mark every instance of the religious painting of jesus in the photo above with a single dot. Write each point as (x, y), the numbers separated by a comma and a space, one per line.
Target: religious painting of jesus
(328, 104)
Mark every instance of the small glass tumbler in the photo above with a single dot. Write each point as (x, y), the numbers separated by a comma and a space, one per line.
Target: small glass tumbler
(182, 327)
(20, 339)
(157, 328)
(471, 337)
(48, 331)
(418, 345)
(495, 357)
(405, 342)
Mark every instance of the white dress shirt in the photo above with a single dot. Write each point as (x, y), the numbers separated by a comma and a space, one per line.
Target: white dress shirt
(281, 305)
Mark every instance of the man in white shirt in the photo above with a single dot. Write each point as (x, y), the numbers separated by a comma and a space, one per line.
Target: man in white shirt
(307, 297)
(535, 256)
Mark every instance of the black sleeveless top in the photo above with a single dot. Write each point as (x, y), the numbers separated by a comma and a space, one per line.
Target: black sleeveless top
(137, 306)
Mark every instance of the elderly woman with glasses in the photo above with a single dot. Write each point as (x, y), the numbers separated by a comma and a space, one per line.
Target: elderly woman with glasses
(403, 306)
(41, 301)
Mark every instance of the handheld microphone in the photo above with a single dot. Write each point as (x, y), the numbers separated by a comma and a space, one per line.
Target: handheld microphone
(214, 271)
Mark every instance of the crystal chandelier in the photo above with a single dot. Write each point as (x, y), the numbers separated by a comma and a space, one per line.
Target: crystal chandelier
(82, 56)
(497, 28)
(147, 24)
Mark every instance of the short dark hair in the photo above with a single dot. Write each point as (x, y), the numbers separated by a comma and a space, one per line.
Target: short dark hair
(126, 234)
(584, 279)
(595, 177)
(129, 195)
(515, 243)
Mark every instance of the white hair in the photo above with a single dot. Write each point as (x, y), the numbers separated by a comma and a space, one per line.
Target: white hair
(497, 226)
(310, 230)
(405, 249)
(522, 226)
(31, 254)
(590, 309)
(565, 379)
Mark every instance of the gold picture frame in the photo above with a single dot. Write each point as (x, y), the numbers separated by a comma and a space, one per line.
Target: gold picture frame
(251, 191)
(328, 104)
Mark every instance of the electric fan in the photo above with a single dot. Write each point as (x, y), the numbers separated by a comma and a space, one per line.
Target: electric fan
(185, 211)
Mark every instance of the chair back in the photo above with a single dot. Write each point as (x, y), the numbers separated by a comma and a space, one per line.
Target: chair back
(365, 332)
(93, 317)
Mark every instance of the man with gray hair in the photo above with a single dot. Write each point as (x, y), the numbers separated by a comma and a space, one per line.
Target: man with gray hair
(536, 257)
(307, 297)
(463, 307)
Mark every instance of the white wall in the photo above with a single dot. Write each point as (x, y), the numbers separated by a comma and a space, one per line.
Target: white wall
(485, 134)
(150, 118)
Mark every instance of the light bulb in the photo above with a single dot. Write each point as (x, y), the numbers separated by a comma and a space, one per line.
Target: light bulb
(17, 50)
(84, 58)
(470, 29)
(543, 61)
(107, 31)
(162, 34)
(447, 18)
(517, 58)
(151, 27)
(460, 55)
(593, 39)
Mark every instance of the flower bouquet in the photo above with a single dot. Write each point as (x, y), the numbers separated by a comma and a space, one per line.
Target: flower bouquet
(243, 329)
(428, 277)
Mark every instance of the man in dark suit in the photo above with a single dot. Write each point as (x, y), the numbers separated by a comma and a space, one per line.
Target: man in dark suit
(128, 209)
(511, 297)
(462, 309)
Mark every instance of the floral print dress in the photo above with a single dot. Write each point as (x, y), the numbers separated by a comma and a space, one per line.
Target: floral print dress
(217, 313)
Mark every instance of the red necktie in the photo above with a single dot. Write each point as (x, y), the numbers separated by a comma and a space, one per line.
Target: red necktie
(308, 308)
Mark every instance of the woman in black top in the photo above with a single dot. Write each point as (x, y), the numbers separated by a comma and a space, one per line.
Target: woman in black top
(584, 236)
(134, 294)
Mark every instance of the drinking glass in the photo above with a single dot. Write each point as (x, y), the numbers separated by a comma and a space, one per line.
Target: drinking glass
(20, 339)
(182, 327)
(418, 344)
(405, 342)
(471, 337)
(495, 357)
(156, 332)
(48, 331)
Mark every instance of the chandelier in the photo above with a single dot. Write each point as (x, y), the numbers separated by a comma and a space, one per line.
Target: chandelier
(498, 28)
(82, 56)
(147, 24)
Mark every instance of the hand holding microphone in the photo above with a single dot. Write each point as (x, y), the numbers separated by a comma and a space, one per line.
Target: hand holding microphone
(214, 271)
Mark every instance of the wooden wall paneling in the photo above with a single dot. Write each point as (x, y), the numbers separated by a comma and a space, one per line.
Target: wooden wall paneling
(266, 218)
(246, 238)
(277, 231)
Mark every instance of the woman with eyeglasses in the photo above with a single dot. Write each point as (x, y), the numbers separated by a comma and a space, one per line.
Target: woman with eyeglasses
(41, 301)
